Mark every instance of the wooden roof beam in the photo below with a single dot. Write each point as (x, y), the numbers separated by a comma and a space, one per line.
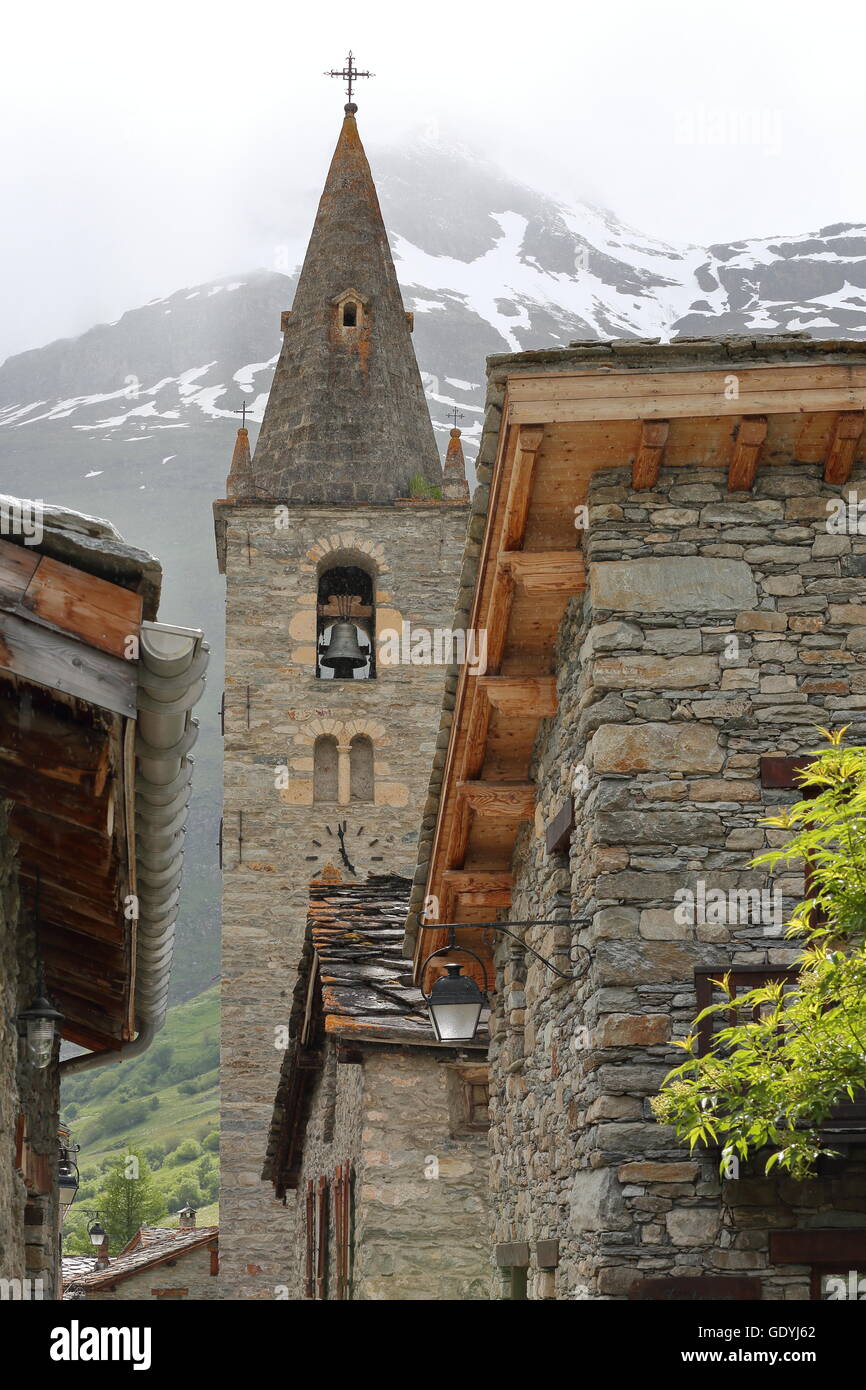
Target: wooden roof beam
(529, 439)
(527, 697)
(843, 446)
(545, 571)
(748, 441)
(468, 888)
(499, 800)
(648, 459)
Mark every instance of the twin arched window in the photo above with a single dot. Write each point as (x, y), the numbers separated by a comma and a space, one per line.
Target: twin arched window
(343, 773)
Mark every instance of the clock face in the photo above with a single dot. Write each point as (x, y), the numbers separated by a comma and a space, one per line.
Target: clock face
(353, 848)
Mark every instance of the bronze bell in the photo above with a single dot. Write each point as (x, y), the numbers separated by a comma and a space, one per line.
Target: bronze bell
(343, 653)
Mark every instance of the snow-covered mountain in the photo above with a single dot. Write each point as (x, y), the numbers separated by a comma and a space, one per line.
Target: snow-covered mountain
(135, 420)
(487, 265)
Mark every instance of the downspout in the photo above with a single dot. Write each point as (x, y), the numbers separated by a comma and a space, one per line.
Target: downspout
(171, 681)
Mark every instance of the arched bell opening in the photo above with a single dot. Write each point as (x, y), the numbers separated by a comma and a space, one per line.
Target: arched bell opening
(345, 624)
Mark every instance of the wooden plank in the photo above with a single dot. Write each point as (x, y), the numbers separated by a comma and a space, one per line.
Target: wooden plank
(58, 799)
(818, 1247)
(685, 405)
(692, 1288)
(559, 830)
(520, 487)
(66, 753)
(499, 800)
(545, 571)
(498, 614)
(843, 446)
(530, 697)
(675, 380)
(781, 772)
(101, 614)
(58, 662)
(59, 840)
(17, 567)
(491, 887)
(750, 435)
(648, 459)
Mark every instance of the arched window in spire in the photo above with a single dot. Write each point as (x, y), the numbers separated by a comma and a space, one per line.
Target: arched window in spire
(325, 769)
(346, 622)
(361, 776)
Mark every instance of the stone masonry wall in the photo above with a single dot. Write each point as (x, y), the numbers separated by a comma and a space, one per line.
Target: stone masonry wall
(187, 1277)
(717, 628)
(421, 1210)
(28, 1223)
(275, 707)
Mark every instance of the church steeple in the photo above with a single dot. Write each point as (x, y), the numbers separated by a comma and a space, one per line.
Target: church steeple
(346, 420)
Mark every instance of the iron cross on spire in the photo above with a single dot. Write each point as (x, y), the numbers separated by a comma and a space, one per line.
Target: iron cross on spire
(349, 74)
(243, 414)
(456, 414)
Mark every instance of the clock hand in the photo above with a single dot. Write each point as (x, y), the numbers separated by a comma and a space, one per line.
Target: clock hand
(341, 832)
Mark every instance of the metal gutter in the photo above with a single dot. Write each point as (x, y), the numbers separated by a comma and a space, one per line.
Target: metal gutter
(171, 679)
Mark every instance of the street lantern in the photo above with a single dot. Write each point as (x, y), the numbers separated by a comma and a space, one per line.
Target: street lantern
(40, 1024)
(96, 1231)
(454, 1005)
(68, 1182)
(455, 1001)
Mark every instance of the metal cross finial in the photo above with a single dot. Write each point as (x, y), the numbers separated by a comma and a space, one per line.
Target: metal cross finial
(243, 414)
(456, 414)
(349, 74)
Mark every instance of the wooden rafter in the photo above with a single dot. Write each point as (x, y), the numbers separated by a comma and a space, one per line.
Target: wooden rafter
(499, 800)
(748, 442)
(843, 446)
(532, 697)
(648, 459)
(488, 888)
(529, 439)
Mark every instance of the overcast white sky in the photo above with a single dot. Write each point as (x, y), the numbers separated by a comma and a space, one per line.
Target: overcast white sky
(154, 146)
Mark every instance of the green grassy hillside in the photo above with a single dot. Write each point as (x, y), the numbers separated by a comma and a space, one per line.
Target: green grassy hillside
(164, 1104)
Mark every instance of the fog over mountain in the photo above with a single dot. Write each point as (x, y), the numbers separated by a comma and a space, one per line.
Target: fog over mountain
(135, 420)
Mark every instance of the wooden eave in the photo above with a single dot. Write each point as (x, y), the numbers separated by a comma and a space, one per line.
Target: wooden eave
(558, 428)
(67, 704)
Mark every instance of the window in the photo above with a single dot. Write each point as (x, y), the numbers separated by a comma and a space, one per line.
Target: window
(361, 768)
(468, 1100)
(345, 624)
(325, 768)
(708, 990)
(350, 314)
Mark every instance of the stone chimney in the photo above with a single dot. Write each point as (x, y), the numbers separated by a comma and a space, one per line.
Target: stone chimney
(186, 1218)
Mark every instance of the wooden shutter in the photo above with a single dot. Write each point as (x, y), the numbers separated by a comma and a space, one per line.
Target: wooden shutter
(310, 1234)
(343, 1227)
(322, 1253)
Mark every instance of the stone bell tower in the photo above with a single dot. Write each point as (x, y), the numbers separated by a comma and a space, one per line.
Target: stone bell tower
(337, 533)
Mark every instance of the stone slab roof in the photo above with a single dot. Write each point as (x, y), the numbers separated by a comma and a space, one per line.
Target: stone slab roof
(161, 1244)
(362, 993)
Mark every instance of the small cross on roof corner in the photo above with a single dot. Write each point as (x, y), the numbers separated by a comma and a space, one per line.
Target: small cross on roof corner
(350, 74)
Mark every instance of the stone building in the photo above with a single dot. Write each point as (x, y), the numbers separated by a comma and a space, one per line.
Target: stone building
(674, 594)
(379, 1135)
(341, 549)
(95, 697)
(160, 1262)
